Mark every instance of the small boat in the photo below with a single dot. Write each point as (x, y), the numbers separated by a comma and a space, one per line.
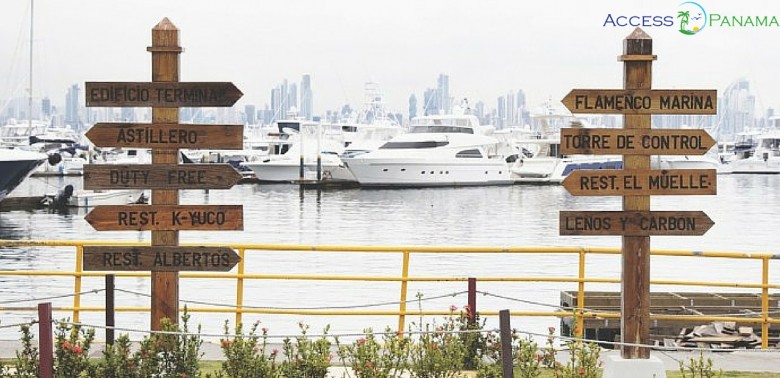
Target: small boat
(68, 197)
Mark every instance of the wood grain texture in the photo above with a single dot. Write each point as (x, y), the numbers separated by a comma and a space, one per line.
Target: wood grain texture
(150, 176)
(634, 223)
(167, 135)
(158, 258)
(635, 142)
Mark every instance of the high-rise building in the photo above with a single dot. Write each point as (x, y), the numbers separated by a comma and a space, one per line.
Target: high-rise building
(276, 105)
(307, 98)
(511, 110)
(431, 104)
(443, 94)
(500, 113)
(292, 97)
(412, 106)
(46, 107)
(250, 115)
(72, 106)
(128, 115)
(736, 108)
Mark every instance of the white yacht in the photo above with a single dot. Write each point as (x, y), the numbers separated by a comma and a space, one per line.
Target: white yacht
(310, 141)
(438, 150)
(540, 160)
(764, 159)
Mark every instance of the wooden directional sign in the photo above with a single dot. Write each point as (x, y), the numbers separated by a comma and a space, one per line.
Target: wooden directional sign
(641, 101)
(167, 135)
(166, 217)
(641, 182)
(634, 223)
(159, 176)
(159, 258)
(635, 141)
(161, 94)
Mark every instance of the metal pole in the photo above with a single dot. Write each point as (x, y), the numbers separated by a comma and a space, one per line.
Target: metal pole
(110, 309)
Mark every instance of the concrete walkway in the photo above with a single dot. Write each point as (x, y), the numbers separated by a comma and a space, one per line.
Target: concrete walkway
(755, 360)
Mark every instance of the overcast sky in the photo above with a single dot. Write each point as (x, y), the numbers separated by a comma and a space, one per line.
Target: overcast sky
(487, 47)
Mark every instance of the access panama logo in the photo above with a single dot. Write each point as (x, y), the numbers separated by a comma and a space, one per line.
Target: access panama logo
(691, 18)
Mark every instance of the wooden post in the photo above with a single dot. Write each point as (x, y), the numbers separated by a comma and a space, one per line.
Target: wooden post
(45, 341)
(165, 51)
(472, 294)
(110, 309)
(635, 301)
(507, 359)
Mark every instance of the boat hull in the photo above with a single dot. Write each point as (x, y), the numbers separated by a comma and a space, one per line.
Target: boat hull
(414, 173)
(15, 166)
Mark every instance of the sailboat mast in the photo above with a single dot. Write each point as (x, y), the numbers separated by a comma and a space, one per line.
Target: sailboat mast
(30, 98)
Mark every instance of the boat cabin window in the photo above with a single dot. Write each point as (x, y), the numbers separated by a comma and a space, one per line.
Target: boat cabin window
(472, 153)
(413, 145)
(441, 129)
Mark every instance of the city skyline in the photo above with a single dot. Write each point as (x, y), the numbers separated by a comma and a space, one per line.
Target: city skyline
(486, 50)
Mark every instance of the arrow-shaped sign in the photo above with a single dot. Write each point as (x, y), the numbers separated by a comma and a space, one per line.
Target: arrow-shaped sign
(634, 223)
(635, 141)
(159, 176)
(166, 217)
(641, 101)
(641, 182)
(167, 135)
(159, 258)
(161, 94)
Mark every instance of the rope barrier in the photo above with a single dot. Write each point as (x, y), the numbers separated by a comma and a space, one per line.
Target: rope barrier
(95, 291)
(411, 333)
(454, 294)
(32, 322)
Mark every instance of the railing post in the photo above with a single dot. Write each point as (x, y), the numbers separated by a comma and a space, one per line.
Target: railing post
(404, 287)
(765, 302)
(77, 282)
(580, 327)
(507, 358)
(110, 309)
(472, 297)
(45, 340)
(240, 288)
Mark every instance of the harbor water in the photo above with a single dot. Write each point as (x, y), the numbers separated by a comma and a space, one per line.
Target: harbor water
(745, 211)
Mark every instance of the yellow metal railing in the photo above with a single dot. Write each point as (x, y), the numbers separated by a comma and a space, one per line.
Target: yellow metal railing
(241, 276)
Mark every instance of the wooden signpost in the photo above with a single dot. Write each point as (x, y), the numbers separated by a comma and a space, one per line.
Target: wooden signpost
(166, 135)
(161, 94)
(165, 176)
(641, 182)
(150, 176)
(637, 182)
(634, 223)
(635, 142)
(641, 101)
(155, 259)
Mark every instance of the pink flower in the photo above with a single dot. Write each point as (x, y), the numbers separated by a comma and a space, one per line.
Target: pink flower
(275, 352)
(65, 345)
(265, 330)
(77, 349)
(361, 340)
(551, 329)
(453, 308)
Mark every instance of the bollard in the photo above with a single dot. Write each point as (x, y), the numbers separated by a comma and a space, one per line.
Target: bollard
(45, 340)
(472, 312)
(506, 344)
